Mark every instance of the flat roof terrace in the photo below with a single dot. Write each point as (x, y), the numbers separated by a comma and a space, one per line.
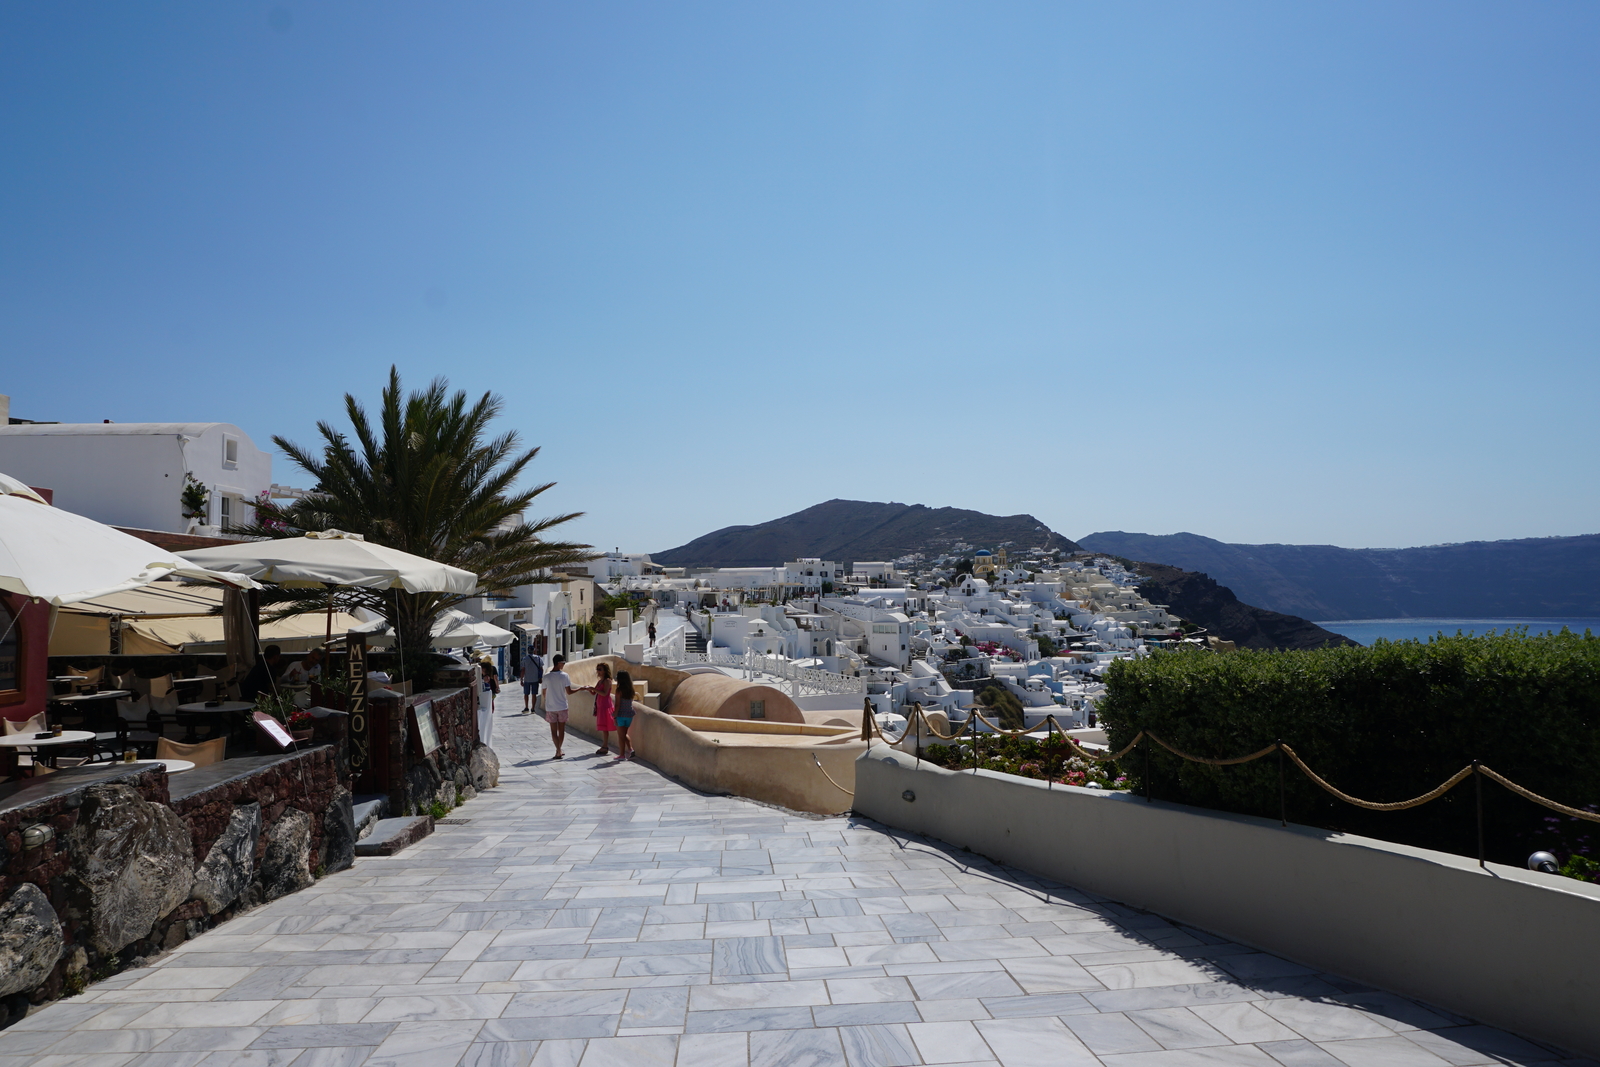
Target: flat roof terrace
(591, 913)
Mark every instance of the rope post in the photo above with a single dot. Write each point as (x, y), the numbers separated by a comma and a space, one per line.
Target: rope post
(1148, 797)
(866, 719)
(1049, 779)
(916, 724)
(972, 723)
(1283, 809)
(1477, 787)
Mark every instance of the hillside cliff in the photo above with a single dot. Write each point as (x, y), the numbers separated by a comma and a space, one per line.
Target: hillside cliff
(1547, 577)
(853, 530)
(1199, 599)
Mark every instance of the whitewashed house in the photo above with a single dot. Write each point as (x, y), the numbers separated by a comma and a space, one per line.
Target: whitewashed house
(133, 473)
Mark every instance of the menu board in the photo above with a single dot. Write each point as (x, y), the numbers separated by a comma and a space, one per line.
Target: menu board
(427, 730)
(274, 729)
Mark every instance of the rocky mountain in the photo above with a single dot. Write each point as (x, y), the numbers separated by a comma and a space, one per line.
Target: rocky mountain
(1199, 599)
(853, 530)
(1547, 577)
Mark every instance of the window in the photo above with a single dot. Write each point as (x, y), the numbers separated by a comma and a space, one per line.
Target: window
(758, 709)
(10, 650)
(230, 452)
(225, 511)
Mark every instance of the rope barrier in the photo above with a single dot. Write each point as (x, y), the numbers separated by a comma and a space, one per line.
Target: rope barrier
(1400, 805)
(918, 720)
(829, 777)
(1528, 794)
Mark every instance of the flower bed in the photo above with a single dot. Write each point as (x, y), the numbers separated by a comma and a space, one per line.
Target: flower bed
(1060, 759)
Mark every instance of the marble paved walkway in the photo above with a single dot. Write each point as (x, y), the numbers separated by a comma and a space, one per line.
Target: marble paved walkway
(589, 913)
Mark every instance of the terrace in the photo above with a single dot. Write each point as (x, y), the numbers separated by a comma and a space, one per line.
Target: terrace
(591, 913)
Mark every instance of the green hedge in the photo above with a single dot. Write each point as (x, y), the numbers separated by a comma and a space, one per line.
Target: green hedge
(1384, 723)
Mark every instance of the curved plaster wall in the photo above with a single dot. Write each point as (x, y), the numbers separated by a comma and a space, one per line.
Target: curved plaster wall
(716, 696)
(786, 775)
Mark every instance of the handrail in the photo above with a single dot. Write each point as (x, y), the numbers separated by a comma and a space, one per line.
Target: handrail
(869, 726)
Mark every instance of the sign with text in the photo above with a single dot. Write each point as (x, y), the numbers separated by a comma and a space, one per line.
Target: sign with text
(427, 729)
(360, 732)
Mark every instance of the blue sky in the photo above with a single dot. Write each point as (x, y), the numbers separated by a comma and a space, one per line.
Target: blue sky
(1266, 272)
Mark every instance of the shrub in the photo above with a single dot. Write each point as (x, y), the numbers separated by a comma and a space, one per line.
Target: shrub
(1058, 759)
(1385, 723)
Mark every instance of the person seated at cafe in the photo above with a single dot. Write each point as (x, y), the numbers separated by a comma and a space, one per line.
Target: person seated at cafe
(263, 676)
(302, 672)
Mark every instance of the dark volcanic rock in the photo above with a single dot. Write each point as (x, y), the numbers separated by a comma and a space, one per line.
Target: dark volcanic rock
(849, 530)
(133, 862)
(1480, 579)
(1201, 600)
(286, 864)
(30, 939)
(339, 833)
(484, 767)
(231, 863)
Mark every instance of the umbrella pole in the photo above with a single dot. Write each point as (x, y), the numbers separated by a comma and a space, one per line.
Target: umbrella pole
(327, 638)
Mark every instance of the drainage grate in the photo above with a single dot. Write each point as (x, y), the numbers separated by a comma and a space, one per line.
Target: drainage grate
(451, 822)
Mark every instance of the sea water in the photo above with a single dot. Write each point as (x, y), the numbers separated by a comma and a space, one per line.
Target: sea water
(1366, 631)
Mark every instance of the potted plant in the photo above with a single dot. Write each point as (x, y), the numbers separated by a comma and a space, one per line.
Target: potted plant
(195, 500)
(301, 724)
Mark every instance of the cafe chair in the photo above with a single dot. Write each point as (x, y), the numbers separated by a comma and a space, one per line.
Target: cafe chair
(201, 755)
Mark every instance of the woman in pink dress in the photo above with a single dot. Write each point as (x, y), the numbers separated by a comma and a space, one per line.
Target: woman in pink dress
(605, 719)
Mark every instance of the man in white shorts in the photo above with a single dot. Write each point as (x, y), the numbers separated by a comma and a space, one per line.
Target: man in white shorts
(556, 685)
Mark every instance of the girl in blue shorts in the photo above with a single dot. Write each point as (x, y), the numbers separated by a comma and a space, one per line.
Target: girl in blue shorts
(624, 714)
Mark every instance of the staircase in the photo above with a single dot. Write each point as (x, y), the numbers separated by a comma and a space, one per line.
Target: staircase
(693, 641)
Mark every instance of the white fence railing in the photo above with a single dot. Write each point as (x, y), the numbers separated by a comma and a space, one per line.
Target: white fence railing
(802, 681)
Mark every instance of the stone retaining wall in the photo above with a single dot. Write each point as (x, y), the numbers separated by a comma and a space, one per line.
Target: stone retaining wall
(461, 766)
(131, 870)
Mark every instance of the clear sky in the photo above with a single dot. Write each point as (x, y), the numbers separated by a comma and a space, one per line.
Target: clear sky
(1298, 272)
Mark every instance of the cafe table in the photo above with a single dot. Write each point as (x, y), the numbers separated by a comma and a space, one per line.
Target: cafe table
(29, 741)
(201, 708)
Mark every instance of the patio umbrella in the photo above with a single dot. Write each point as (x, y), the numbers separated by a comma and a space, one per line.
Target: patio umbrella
(63, 558)
(334, 558)
(453, 629)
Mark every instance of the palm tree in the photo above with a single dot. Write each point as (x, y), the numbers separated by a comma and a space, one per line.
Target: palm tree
(425, 478)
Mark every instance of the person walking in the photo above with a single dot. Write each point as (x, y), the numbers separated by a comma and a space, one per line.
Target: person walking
(557, 687)
(532, 675)
(624, 715)
(604, 714)
(487, 691)
(651, 607)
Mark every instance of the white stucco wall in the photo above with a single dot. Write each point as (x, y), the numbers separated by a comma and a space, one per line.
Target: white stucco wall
(131, 474)
(1509, 947)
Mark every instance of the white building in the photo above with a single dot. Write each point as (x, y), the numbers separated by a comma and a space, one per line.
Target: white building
(133, 473)
(811, 573)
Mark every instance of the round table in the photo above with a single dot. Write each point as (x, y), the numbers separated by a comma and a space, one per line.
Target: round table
(84, 698)
(199, 708)
(67, 737)
(174, 766)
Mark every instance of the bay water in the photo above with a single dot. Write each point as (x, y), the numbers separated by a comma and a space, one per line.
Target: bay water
(1366, 631)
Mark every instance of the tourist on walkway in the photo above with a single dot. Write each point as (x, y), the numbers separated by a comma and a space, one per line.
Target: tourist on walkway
(556, 688)
(624, 714)
(487, 691)
(604, 719)
(532, 675)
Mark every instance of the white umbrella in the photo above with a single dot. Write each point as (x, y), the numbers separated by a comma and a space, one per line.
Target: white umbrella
(453, 629)
(64, 558)
(335, 558)
(10, 486)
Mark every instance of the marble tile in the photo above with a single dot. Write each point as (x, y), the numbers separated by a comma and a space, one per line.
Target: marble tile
(659, 1051)
(1042, 1042)
(1243, 1023)
(714, 1050)
(1177, 1028)
(748, 955)
(1110, 1033)
(1393, 1051)
(798, 1048)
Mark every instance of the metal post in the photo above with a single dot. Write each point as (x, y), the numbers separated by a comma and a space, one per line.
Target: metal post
(1477, 783)
(1148, 797)
(1283, 811)
(972, 721)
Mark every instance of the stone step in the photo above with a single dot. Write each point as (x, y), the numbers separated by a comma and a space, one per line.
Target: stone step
(391, 835)
(368, 809)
